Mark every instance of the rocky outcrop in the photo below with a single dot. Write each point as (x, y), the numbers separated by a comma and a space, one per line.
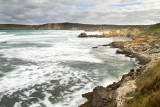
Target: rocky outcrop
(130, 53)
(126, 32)
(85, 35)
(111, 95)
(102, 97)
(115, 95)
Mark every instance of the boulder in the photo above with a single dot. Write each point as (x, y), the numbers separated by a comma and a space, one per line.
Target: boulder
(155, 50)
(117, 44)
(4, 42)
(94, 47)
(142, 59)
(83, 35)
(103, 97)
(124, 51)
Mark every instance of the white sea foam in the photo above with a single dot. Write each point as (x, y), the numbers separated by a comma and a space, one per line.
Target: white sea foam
(94, 33)
(2, 33)
(57, 62)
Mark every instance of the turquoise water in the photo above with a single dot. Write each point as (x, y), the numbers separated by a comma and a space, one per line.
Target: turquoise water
(52, 68)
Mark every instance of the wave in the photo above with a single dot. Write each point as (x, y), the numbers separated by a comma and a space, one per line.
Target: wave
(62, 72)
(2, 33)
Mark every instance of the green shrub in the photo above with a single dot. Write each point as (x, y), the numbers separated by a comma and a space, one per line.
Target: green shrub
(147, 93)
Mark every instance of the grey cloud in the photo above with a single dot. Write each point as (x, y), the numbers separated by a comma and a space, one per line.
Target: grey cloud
(48, 11)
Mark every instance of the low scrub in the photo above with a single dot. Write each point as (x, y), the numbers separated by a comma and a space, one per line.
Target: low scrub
(147, 93)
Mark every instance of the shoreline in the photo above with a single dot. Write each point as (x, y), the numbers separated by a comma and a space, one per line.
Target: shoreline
(115, 95)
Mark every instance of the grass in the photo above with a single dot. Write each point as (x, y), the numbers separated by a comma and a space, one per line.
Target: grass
(153, 30)
(147, 93)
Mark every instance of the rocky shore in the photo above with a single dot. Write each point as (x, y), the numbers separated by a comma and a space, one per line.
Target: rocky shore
(83, 35)
(146, 50)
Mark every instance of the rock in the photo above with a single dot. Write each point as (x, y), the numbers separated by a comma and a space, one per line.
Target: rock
(100, 97)
(130, 74)
(127, 51)
(4, 42)
(105, 45)
(144, 48)
(127, 78)
(142, 59)
(117, 44)
(119, 51)
(155, 50)
(103, 97)
(115, 85)
(94, 47)
(131, 71)
(83, 35)
(157, 46)
(88, 95)
(129, 55)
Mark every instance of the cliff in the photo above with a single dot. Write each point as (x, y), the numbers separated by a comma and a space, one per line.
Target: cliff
(140, 87)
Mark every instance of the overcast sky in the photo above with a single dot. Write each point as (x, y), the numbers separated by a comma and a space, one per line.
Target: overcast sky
(80, 11)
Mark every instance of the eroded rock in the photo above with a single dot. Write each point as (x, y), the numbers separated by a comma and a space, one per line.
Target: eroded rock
(83, 35)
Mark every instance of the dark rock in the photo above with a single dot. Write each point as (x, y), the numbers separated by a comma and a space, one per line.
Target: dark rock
(142, 59)
(105, 45)
(94, 47)
(4, 42)
(100, 97)
(88, 95)
(140, 70)
(127, 51)
(106, 97)
(103, 97)
(129, 55)
(117, 44)
(115, 85)
(131, 73)
(83, 35)
(119, 51)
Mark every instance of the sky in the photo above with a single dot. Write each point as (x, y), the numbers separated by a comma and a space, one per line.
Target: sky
(119, 12)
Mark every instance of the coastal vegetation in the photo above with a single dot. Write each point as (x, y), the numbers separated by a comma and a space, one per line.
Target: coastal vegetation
(147, 93)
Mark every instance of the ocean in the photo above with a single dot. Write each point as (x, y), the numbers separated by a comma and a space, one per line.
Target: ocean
(53, 68)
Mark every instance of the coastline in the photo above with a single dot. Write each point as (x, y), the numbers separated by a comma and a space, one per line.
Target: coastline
(115, 95)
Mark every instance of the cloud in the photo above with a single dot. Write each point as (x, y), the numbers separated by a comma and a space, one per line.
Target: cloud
(80, 11)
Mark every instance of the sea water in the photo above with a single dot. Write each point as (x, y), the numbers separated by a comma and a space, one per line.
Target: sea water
(53, 68)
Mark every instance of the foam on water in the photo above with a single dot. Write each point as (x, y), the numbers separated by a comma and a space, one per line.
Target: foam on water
(57, 75)
(2, 33)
